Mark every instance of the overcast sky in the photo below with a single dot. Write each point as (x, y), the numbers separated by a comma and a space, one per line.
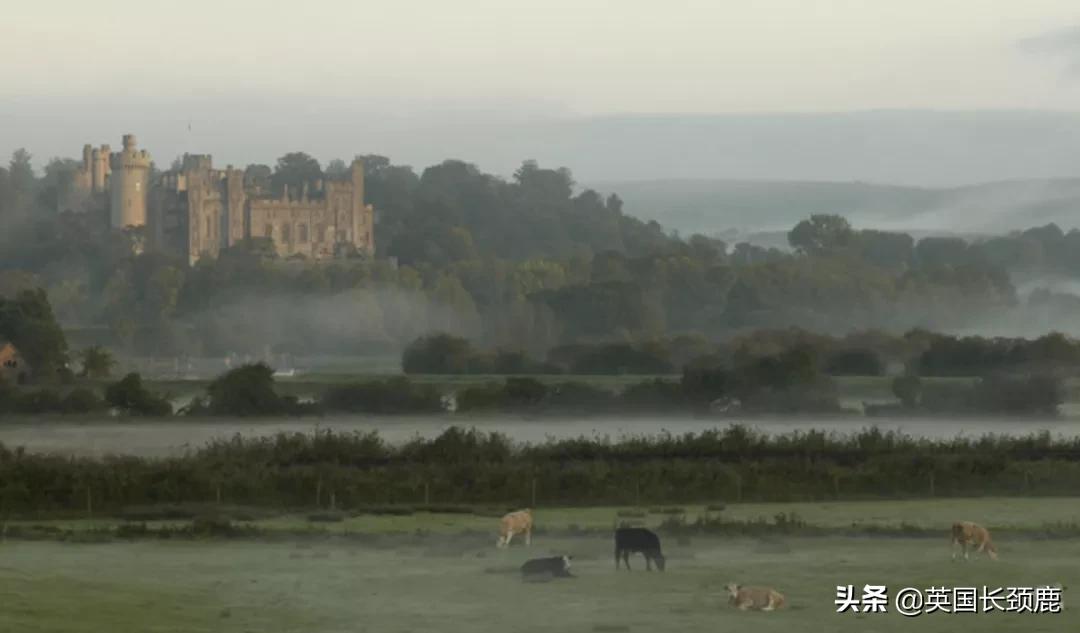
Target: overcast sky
(159, 65)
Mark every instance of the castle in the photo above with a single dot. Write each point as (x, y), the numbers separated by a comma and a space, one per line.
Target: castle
(197, 210)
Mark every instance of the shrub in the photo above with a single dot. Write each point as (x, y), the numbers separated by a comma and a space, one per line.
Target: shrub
(908, 390)
(244, 391)
(437, 354)
(130, 397)
(395, 395)
(39, 401)
(82, 400)
(854, 362)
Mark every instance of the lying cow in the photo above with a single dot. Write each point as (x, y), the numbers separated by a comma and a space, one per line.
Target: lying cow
(552, 567)
(965, 533)
(758, 598)
(520, 522)
(630, 540)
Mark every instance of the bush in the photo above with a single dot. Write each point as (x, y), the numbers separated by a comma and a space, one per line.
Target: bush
(437, 354)
(854, 362)
(244, 391)
(654, 394)
(130, 397)
(615, 358)
(480, 397)
(908, 390)
(395, 395)
(578, 396)
(1039, 394)
(82, 400)
(39, 401)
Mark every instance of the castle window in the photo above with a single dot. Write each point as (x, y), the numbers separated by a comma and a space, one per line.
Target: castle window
(320, 233)
(286, 233)
(302, 230)
(269, 231)
(209, 228)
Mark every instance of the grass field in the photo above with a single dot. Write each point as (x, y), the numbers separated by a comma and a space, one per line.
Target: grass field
(447, 586)
(451, 578)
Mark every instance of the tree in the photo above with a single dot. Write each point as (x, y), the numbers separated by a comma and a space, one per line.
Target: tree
(258, 176)
(908, 390)
(129, 396)
(820, 234)
(295, 170)
(97, 362)
(244, 391)
(27, 321)
(337, 170)
(437, 354)
(22, 181)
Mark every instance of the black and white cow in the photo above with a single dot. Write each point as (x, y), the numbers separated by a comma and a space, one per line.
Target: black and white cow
(629, 540)
(553, 567)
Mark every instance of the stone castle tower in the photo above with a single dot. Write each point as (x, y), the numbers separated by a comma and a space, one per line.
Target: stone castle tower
(129, 181)
(194, 211)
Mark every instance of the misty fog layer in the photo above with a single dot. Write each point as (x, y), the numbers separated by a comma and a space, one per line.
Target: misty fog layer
(909, 147)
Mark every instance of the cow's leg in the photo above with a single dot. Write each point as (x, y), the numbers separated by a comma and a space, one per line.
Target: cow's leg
(617, 555)
(648, 562)
(528, 536)
(509, 537)
(626, 559)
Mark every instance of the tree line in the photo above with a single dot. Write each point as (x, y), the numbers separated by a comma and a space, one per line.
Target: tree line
(528, 261)
(463, 466)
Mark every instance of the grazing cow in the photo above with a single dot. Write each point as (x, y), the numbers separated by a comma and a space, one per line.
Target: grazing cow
(966, 533)
(629, 540)
(758, 598)
(554, 567)
(520, 522)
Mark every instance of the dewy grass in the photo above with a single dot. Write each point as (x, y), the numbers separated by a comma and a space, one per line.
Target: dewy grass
(444, 583)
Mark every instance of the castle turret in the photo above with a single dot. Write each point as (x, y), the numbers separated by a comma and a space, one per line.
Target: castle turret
(129, 181)
(99, 169)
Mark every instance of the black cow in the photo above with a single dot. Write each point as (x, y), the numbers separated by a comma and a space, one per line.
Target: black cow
(554, 567)
(633, 539)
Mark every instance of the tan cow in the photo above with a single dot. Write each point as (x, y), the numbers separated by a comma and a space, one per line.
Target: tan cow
(520, 522)
(759, 598)
(966, 533)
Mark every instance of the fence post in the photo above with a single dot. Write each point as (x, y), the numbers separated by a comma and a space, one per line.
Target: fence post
(533, 493)
(333, 501)
(1027, 480)
(318, 493)
(427, 494)
(89, 503)
(932, 483)
(836, 485)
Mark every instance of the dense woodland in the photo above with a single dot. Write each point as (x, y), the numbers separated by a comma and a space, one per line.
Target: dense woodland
(528, 265)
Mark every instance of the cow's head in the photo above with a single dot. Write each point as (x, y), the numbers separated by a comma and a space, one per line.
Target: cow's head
(660, 561)
(732, 589)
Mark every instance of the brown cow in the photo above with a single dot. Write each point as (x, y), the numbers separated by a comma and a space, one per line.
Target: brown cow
(520, 522)
(966, 533)
(758, 598)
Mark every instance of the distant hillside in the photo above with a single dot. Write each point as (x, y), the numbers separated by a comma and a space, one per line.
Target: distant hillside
(716, 207)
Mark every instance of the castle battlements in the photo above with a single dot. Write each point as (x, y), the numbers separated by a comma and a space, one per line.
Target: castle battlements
(195, 210)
